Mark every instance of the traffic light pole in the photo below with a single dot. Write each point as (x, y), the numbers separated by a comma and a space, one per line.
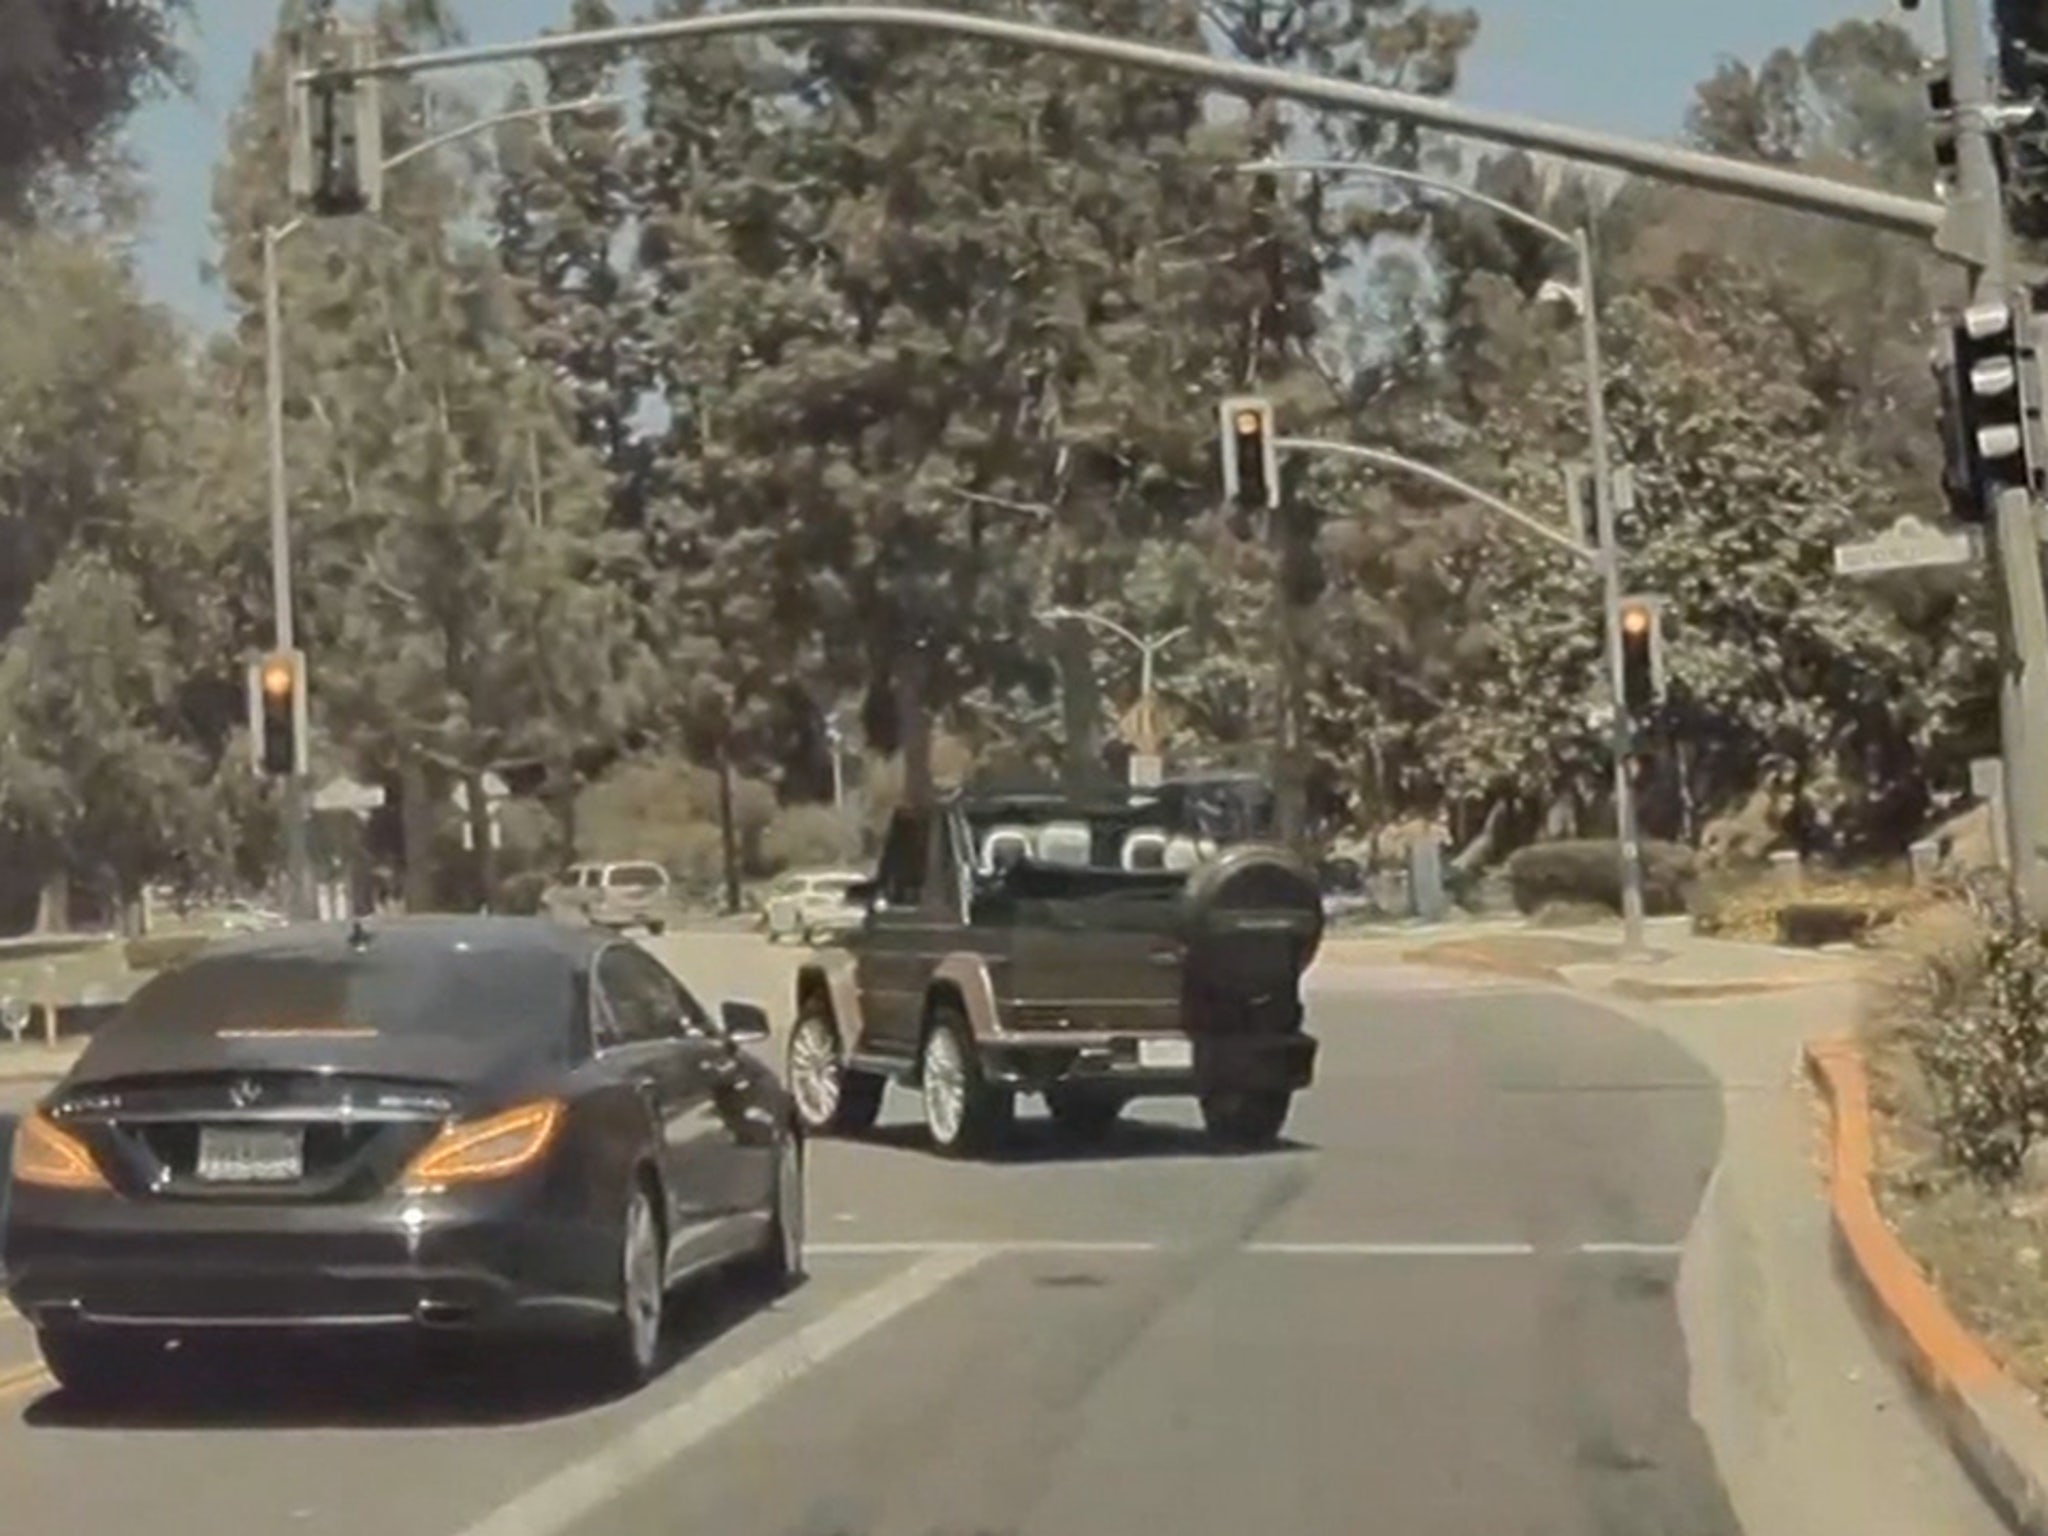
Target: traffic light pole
(300, 903)
(1627, 831)
(1983, 238)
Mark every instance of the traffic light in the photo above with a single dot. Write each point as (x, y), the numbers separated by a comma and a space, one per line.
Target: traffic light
(337, 143)
(1982, 361)
(1642, 655)
(277, 713)
(1251, 460)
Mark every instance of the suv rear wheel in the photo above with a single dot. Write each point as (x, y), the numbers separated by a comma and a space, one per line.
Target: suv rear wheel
(1083, 1112)
(963, 1111)
(1246, 1117)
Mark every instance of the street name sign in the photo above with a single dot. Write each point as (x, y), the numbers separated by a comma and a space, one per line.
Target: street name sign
(348, 795)
(1909, 544)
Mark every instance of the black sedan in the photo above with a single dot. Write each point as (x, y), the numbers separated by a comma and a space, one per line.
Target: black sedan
(436, 1124)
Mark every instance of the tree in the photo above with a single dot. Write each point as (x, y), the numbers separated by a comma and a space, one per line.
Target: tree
(72, 73)
(99, 782)
(458, 594)
(2022, 30)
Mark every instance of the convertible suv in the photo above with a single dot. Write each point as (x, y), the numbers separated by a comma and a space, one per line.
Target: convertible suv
(1090, 953)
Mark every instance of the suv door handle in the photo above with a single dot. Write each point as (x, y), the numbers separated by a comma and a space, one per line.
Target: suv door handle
(646, 1084)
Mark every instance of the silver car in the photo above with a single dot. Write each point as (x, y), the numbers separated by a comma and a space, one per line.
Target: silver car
(812, 904)
(631, 893)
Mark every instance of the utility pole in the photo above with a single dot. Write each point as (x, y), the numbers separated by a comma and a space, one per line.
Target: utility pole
(1626, 829)
(1976, 230)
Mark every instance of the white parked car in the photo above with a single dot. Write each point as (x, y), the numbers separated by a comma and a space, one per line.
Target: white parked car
(632, 893)
(808, 905)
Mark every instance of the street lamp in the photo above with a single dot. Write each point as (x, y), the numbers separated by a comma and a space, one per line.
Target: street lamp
(1580, 243)
(298, 859)
(1148, 648)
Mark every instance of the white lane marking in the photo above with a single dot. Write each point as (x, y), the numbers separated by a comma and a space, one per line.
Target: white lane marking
(558, 1502)
(1397, 1250)
(1335, 1250)
(1025, 1245)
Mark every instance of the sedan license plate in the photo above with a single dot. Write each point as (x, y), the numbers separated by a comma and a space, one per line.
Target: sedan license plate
(239, 1156)
(1169, 1055)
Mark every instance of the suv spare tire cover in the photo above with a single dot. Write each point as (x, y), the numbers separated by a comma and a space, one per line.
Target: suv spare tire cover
(1252, 920)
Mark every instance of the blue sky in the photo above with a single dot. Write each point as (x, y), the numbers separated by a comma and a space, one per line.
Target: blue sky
(1623, 65)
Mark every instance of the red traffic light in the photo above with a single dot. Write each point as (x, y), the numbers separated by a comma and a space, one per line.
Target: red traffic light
(1635, 622)
(1248, 424)
(277, 678)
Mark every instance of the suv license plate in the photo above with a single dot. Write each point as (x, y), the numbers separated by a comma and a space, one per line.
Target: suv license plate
(237, 1156)
(1166, 1054)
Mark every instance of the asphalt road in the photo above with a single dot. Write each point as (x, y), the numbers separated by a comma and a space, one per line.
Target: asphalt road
(1448, 1307)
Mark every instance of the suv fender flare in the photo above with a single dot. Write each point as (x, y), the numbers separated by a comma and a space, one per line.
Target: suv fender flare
(966, 977)
(833, 980)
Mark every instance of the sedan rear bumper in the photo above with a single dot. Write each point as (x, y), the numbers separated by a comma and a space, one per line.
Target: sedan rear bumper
(101, 1260)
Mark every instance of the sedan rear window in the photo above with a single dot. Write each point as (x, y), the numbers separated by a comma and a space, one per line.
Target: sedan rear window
(406, 989)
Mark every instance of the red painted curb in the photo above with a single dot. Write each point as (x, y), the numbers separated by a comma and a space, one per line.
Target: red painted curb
(1988, 1419)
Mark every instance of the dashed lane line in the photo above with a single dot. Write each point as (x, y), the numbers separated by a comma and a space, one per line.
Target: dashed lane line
(1356, 1250)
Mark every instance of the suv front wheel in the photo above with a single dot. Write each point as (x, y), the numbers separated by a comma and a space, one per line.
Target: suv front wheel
(831, 1098)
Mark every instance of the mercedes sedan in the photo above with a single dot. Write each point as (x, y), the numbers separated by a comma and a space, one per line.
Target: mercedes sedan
(440, 1126)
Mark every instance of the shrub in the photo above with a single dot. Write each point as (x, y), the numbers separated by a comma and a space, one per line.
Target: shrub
(160, 952)
(1588, 873)
(806, 836)
(1755, 907)
(1971, 1008)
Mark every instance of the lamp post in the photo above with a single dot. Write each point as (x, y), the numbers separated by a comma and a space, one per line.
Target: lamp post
(1148, 648)
(1608, 550)
(298, 855)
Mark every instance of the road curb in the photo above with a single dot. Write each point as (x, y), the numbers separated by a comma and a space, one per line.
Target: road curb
(1988, 1419)
(1710, 991)
(1455, 956)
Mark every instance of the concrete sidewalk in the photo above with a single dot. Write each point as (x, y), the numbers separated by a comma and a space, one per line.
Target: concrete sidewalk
(1677, 965)
(1801, 1401)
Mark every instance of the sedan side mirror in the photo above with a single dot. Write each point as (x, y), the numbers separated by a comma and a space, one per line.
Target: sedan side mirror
(745, 1023)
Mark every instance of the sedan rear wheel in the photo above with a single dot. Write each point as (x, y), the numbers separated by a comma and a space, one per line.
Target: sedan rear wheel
(632, 1348)
(782, 1254)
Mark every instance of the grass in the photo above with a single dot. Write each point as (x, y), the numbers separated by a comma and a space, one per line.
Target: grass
(1985, 1248)
(66, 976)
(1746, 907)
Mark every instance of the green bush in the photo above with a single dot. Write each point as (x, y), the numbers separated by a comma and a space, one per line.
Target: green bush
(162, 951)
(1588, 873)
(810, 836)
(1810, 924)
(1973, 1011)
